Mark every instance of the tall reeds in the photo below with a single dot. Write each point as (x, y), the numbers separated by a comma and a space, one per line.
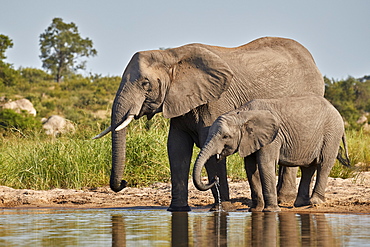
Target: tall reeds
(75, 161)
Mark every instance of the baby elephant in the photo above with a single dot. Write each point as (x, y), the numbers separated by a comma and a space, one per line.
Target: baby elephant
(296, 131)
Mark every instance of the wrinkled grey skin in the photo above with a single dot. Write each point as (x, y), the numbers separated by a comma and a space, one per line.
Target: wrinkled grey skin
(57, 125)
(193, 85)
(295, 131)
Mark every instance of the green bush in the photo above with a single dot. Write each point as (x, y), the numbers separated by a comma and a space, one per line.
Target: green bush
(33, 76)
(8, 76)
(12, 121)
(351, 97)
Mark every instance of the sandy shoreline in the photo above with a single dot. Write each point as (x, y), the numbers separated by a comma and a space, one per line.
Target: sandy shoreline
(342, 196)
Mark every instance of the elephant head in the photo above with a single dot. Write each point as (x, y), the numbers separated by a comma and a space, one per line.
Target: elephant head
(239, 130)
(172, 81)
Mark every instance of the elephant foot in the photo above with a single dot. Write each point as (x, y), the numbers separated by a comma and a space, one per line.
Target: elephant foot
(179, 209)
(271, 209)
(257, 205)
(317, 199)
(225, 206)
(300, 202)
(284, 198)
(259, 209)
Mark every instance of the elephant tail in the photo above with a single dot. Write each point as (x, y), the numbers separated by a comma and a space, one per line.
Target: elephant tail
(344, 160)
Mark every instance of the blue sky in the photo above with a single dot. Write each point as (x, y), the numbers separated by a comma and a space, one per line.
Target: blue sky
(336, 32)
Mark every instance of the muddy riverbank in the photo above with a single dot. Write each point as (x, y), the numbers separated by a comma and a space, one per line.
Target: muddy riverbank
(342, 196)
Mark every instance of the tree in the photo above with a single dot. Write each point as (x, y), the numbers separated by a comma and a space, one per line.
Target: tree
(62, 48)
(5, 43)
(8, 75)
(343, 95)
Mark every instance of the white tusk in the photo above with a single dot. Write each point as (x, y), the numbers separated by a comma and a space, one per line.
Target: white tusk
(217, 156)
(106, 131)
(125, 123)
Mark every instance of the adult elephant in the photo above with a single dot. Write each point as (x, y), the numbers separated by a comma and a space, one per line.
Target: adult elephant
(193, 85)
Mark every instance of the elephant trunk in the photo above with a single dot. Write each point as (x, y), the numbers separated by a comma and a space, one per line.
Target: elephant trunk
(118, 160)
(202, 158)
(122, 114)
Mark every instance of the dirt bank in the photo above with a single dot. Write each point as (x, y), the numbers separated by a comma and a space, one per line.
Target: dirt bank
(343, 196)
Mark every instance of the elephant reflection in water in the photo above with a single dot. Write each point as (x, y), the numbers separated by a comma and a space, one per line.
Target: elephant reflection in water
(213, 230)
(180, 229)
(257, 229)
(210, 231)
(315, 229)
(118, 231)
(289, 229)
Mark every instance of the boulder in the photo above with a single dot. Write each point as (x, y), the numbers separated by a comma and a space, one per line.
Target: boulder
(19, 105)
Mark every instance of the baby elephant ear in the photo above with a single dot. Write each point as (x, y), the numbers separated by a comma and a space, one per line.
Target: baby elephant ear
(259, 129)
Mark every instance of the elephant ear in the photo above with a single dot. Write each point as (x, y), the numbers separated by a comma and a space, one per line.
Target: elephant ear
(199, 76)
(259, 128)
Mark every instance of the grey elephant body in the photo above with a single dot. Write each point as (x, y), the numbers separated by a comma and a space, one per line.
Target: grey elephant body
(295, 131)
(193, 85)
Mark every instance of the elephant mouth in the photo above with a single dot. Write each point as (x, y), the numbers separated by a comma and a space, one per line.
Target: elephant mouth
(224, 154)
(149, 111)
(220, 157)
(118, 128)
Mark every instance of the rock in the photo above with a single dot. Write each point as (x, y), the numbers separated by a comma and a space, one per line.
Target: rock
(19, 105)
(57, 125)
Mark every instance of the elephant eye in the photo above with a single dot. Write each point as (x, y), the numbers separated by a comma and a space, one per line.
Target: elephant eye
(225, 136)
(146, 85)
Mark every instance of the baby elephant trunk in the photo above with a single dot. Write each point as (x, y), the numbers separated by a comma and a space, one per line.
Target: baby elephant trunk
(202, 158)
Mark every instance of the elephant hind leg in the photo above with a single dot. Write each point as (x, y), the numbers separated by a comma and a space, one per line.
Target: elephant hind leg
(303, 196)
(323, 171)
(287, 187)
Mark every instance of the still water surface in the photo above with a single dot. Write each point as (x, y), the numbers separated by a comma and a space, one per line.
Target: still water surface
(148, 227)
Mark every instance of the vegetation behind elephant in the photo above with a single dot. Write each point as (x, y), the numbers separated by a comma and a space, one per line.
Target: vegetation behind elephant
(295, 131)
(56, 125)
(21, 105)
(193, 85)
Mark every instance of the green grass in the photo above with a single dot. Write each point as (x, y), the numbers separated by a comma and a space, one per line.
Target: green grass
(41, 163)
(36, 161)
(146, 152)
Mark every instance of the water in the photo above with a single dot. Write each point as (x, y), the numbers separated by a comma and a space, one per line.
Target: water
(218, 194)
(157, 227)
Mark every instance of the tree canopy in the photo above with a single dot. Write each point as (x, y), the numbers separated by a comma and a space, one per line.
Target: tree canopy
(351, 97)
(8, 75)
(62, 48)
(5, 43)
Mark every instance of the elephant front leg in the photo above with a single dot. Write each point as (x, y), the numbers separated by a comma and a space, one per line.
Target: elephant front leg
(267, 159)
(254, 180)
(180, 148)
